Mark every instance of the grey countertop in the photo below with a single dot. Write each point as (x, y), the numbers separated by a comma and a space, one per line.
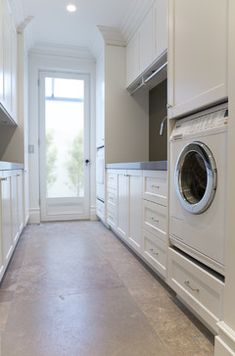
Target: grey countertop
(148, 165)
(9, 166)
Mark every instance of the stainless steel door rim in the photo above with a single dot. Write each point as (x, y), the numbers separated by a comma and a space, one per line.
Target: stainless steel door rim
(195, 177)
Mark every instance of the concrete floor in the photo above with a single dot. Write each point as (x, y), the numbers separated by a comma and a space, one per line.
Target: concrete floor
(73, 289)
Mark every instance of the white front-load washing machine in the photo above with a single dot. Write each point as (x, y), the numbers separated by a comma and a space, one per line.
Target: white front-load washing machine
(198, 166)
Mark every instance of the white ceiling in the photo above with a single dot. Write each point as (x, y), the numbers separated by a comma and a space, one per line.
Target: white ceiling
(53, 24)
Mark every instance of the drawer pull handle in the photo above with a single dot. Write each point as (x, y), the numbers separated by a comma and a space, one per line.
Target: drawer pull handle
(3, 179)
(187, 283)
(155, 186)
(155, 220)
(151, 249)
(156, 253)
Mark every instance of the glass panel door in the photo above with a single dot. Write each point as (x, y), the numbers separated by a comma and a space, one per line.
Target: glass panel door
(64, 147)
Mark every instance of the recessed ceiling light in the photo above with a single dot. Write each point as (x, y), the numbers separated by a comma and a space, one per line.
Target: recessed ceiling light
(71, 8)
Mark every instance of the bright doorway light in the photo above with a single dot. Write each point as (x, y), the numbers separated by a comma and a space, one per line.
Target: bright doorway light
(71, 8)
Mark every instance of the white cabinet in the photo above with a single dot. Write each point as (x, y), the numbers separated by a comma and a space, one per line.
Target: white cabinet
(135, 209)
(6, 221)
(148, 43)
(20, 201)
(133, 58)
(146, 34)
(8, 61)
(123, 204)
(197, 56)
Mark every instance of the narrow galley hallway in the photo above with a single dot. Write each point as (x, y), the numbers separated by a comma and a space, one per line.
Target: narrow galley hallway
(73, 289)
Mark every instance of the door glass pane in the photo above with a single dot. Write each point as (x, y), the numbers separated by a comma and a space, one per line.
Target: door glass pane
(64, 125)
(193, 177)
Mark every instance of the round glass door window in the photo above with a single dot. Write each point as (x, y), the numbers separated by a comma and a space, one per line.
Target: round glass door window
(196, 177)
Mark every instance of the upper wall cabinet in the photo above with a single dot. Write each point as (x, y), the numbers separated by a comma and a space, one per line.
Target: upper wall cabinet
(8, 62)
(197, 54)
(149, 41)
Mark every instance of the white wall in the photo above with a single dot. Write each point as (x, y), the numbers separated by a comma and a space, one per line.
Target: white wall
(64, 61)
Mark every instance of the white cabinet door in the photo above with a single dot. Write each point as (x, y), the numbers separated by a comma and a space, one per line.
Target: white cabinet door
(123, 204)
(133, 59)
(14, 71)
(135, 209)
(7, 241)
(14, 207)
(160, 15)
(7, 60)
(20, 202)
(146, 41)
(1, 54)
(197, 58)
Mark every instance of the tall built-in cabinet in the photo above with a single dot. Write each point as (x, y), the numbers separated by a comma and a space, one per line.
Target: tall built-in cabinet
(197, 54)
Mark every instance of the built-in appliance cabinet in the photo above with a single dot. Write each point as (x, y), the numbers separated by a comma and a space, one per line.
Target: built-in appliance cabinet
(11, 214)
(8, 62)
(148, 42)
(197, 54)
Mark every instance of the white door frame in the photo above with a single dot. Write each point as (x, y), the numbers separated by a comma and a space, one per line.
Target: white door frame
(66, 213)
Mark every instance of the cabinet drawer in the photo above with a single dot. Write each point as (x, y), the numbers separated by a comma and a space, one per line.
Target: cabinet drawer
(100, 209)
(202, 291)
(155, 219)
(155, 252)
(112, 180)
(155, 186)
(112, 197)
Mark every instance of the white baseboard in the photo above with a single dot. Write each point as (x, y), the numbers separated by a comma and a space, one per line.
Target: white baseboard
(225, 341)
(34, 216)
(93, 216)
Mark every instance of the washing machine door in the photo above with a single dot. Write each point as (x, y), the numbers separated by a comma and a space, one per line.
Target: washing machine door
(195, 177)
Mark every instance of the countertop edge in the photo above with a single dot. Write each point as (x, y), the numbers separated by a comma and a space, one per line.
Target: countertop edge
(148, 166)
(10, 166)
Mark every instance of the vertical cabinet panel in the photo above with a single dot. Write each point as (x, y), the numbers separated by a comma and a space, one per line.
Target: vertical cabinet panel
(197, 58)
(135, 209)
(160, 27)
(123, 204)
(1, 54)
(7, 241)
(133, 58)
(14, 207)
(146, 41)
(20, 201)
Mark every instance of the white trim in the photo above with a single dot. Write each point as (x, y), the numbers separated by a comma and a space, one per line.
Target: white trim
(34, 216)
(93, 216)
(112, 36)
(225, 341)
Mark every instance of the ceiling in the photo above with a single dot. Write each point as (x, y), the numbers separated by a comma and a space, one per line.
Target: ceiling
(53, 24)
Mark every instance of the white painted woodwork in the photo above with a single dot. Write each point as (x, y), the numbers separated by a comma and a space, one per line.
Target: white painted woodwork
(133, 58)
(160, 16)
(155, 219)
(155, 186)
(135, 209)
(123, 204)
(20, 201)
(100, 100)
(6, 220)
(148, 42)
(100, 210)
(197, 54)
(146, 38)
(155, 252)
(14, 207)
(8, 60)
(199, 289)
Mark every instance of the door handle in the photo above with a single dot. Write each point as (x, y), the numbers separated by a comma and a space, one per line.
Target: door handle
(87, 161)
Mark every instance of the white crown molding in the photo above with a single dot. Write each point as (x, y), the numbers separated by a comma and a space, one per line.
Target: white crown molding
(112, 36)
(62, 50)
(134, 18)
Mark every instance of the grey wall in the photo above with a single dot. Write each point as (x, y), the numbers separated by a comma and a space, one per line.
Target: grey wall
(157, 112)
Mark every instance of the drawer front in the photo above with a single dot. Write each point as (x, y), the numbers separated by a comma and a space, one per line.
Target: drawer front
(112, 197)
(100, 209)
(199, 289)
(154, 251)
(155, 187)
(155, 219)
(112, 180)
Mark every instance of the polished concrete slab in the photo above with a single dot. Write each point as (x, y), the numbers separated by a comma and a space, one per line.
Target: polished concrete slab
(73, 289)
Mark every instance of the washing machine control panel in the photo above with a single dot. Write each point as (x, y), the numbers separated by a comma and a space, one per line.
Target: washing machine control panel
(200, 124)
